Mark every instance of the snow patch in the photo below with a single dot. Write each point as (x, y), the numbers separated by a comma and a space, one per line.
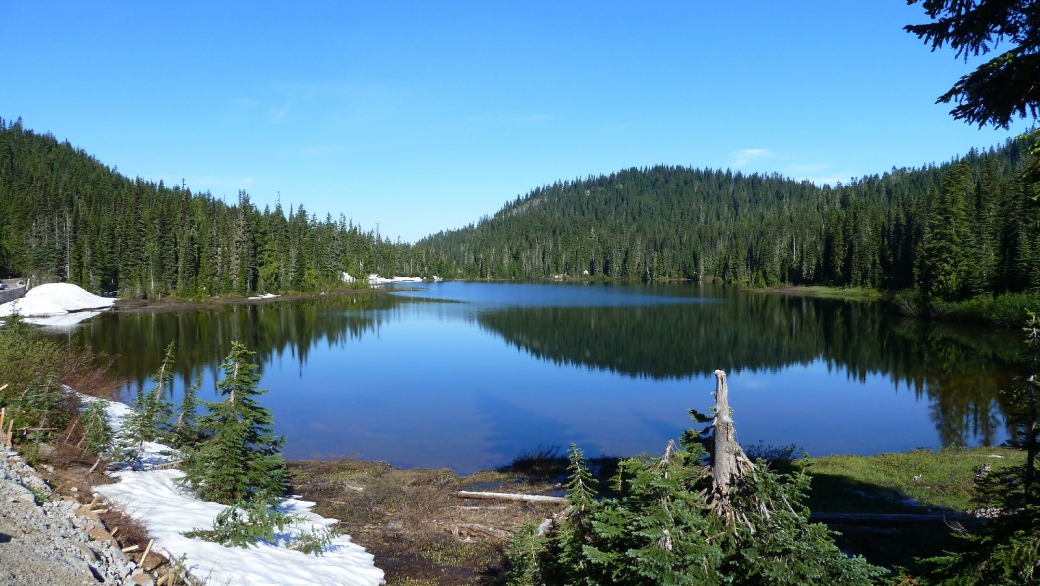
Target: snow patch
(55, 299)
(156, 499)
(375, 279)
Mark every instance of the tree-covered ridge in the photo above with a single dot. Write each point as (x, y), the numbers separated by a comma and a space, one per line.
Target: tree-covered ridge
(678, 222)
(66, 216)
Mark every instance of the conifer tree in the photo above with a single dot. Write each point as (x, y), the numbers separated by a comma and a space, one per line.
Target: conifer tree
(943, 267)
(97, 429)
(185, 429)
(241, 458)
(149, 419)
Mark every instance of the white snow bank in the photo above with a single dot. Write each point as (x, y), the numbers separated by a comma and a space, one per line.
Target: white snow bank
(375, 279)
(264, 296)
(55, 299)
(168, 510)
(154, 498)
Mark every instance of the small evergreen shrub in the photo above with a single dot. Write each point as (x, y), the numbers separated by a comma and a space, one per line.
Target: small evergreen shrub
(148, 421)
(244, 524)
(661, 530)
(30, 366)
(316, 541)
(97, 429)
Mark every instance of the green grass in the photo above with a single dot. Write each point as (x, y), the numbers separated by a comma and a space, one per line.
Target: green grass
(903, 482)
(914, 482)
(850, 293)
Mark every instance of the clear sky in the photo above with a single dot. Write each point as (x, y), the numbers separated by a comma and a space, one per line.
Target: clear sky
(423, 116)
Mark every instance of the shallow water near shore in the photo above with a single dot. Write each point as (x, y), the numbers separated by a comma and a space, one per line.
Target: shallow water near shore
(468, 375)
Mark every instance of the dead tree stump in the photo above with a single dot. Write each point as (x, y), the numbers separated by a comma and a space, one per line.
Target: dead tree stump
(729, 464)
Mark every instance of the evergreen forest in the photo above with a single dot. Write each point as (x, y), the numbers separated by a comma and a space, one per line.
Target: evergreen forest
(952, 231)
(65, 216)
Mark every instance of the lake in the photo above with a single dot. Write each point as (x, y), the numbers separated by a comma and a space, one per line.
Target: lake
(468, 375)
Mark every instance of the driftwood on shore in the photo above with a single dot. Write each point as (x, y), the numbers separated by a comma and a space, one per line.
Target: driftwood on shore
(464, 530)
(509, 496)
(887, 518)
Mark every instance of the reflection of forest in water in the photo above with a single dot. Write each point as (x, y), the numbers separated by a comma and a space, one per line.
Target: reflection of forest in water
(960, 371)
(203, 336)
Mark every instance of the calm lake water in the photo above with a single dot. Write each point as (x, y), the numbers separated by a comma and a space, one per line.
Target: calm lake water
(468, 375)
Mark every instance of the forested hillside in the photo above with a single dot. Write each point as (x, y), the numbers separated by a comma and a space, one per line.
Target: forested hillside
(959, 228)
(951, 231)
(66, 216)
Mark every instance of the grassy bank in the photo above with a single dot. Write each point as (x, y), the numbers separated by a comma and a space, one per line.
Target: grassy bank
(917, 482)
(1007, 309)
(851, 293)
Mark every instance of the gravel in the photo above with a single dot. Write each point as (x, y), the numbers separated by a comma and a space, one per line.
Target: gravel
(48, 543)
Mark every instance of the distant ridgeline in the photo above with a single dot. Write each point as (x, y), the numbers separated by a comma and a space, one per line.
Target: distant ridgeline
(970, 218)
(66, 216)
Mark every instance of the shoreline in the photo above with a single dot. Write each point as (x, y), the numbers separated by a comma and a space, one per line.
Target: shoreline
(174, 304)
(822, 292)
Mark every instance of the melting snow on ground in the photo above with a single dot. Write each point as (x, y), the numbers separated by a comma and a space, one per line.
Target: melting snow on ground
(55, 299)
(156, 499)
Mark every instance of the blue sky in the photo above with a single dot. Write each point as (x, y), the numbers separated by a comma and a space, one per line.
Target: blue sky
(423, 116)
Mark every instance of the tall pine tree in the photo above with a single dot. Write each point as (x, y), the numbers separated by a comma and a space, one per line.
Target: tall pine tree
(241, 458)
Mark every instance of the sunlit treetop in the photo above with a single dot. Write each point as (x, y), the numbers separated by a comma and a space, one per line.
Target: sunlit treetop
(1006, 87)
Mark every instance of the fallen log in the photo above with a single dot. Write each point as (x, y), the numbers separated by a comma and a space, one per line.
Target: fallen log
(509, 496)
(475, 529)
(887, 518)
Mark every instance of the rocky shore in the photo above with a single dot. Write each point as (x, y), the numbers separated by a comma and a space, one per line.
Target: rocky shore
(47, 540)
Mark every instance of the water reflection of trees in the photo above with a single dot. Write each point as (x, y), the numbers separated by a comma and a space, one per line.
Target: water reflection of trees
(960, 371)
(204, 336)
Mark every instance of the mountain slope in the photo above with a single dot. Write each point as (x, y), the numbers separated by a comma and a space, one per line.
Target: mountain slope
(677, 222)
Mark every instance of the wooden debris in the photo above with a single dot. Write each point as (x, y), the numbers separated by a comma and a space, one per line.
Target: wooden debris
(166, 465)
(130, 549)
(509, 496)
(146, 550)
(469, 530)
(886, 518)
(481, 507)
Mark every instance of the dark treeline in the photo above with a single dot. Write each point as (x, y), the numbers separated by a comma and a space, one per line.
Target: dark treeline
(65, 216)
(952, 230)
